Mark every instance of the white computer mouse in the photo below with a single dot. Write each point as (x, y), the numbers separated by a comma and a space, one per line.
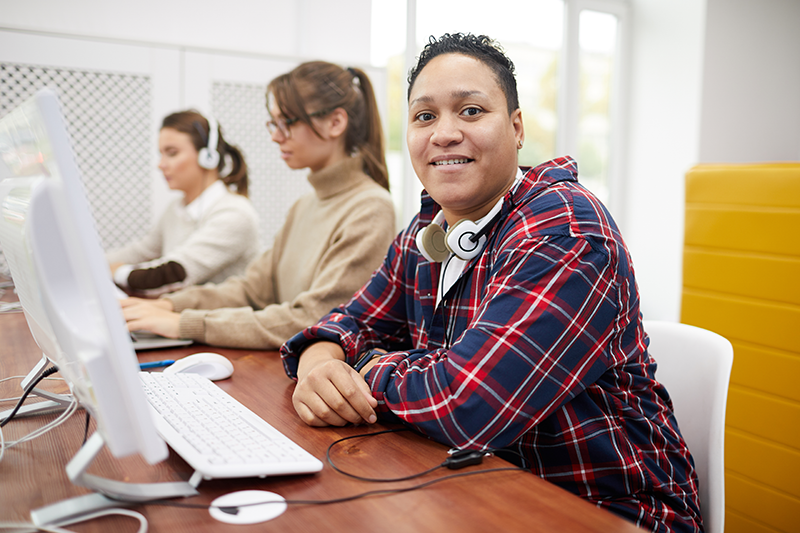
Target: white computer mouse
(210, 365)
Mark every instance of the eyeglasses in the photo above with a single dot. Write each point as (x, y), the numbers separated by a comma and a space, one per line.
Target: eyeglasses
(283, 124)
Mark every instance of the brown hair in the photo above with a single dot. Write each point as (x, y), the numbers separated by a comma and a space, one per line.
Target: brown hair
(317, 86)
(196, 127)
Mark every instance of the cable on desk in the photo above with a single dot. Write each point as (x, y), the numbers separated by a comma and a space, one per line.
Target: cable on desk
(25, 527)
(86, 428)
(2, 445)
(52, 370)
(17, 398)
(234, 509)
(457, 458)
(70, 409)
(470, 457)
(10, 307)
(22, 527)
(362, 478)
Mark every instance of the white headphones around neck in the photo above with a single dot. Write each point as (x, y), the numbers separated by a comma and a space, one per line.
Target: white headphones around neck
(208, 157)
(465, 238)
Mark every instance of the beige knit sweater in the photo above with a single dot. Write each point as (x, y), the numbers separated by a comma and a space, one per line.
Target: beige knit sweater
(332, 241)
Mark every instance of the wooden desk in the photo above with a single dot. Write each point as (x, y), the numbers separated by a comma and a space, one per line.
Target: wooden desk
(33, 475)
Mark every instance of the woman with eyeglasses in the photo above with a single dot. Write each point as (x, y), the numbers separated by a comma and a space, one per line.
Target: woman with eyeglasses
(323, 118)
(208, 234)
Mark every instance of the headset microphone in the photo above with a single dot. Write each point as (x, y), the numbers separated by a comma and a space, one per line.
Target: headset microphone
(208, 156)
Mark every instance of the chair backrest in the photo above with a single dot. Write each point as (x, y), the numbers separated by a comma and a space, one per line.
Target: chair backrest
(694, 364)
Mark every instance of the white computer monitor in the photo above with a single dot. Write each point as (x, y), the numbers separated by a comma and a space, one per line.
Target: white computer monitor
(52, 248)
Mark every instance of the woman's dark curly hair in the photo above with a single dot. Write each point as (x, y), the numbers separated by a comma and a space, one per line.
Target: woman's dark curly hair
(482, 48)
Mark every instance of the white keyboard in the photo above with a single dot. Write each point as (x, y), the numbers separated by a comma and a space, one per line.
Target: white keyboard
(218, 436)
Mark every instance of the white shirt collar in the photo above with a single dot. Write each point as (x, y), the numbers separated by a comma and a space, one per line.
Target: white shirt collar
(206, 200)
(453, 266)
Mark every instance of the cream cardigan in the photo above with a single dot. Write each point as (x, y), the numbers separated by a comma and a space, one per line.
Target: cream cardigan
(212, 238)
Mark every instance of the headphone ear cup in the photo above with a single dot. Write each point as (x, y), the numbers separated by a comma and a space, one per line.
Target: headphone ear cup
(459, 240)
(208, 159)
(431, 243)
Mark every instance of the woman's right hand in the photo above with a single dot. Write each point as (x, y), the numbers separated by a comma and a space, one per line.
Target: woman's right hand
(330, 392)
(155, 316)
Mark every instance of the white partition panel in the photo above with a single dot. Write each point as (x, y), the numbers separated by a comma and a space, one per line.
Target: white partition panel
(112, 95)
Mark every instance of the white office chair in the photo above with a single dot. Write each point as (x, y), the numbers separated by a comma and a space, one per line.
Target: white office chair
(694, 364)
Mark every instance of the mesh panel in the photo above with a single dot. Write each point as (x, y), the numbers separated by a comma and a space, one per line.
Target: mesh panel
(108, 118)
(242, 113)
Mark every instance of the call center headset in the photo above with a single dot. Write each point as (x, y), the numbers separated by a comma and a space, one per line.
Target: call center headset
(465, 238)
(208, 156)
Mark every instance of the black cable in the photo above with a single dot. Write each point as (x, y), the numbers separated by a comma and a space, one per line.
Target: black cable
(362, 478)
(457, 459)
(234, 509)
(86, 428)
(50, 371)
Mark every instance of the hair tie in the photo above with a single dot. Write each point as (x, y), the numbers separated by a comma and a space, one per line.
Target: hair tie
(354, 74)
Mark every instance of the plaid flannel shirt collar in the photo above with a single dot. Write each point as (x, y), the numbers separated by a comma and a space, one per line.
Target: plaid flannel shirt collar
(534, 181)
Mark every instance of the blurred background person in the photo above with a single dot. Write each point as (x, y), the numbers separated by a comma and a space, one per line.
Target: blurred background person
(210, 233)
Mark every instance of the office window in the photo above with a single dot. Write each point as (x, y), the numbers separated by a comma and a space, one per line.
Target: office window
(597, 38)
(566, 54)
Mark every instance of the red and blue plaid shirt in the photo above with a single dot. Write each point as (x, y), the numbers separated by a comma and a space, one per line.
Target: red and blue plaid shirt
(538, 348)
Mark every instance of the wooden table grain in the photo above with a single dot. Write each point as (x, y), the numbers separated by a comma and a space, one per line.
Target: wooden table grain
(32, 474)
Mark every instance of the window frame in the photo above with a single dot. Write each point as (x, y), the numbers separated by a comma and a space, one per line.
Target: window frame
(568, 106)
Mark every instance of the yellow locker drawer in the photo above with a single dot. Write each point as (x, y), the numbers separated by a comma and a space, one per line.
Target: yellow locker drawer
(750, 274)
(776, 184)
(759, 322)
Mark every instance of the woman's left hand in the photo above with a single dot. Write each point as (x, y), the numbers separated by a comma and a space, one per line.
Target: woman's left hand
(330, 392)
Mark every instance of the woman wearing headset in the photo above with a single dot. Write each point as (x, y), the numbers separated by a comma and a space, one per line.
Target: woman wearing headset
(323, 118)
(210, 233)
(517, 328)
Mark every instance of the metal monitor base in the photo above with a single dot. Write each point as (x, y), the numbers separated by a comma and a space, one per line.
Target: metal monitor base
(109, 493)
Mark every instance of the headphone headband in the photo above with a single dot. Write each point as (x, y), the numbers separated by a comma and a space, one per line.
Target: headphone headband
(208, 157)
(491, 217)
(213, 133)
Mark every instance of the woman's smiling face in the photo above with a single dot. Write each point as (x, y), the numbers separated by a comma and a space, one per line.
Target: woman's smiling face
(461, 139)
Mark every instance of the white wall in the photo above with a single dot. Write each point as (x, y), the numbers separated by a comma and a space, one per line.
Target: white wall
(319, 29)
(751, 89)
(664, 123)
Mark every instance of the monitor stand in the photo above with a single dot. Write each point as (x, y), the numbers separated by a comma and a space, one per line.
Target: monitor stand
(54, 403)
(110, 493)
